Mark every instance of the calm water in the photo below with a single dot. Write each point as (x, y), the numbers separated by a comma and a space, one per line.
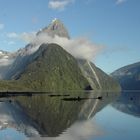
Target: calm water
(71, 116)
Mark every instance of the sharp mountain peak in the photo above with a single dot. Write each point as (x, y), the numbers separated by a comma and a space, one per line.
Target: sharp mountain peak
(56, 27)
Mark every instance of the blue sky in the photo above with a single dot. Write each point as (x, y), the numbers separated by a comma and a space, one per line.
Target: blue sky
(114, 24)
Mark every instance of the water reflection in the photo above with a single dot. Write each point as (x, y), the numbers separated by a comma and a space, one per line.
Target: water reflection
(13, 117)
(129, 102)
(50, 116)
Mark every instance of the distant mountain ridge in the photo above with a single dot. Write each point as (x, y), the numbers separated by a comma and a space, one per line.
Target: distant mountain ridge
(128, 76)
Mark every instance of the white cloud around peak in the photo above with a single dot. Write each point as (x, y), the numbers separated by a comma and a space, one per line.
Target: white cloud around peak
(27, 37)
(59, 4)
(80, 47)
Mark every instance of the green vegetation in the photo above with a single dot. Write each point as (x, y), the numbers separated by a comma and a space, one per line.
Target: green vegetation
(12, 85)
(51, 69)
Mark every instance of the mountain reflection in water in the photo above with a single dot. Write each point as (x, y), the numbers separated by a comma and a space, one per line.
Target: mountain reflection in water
(49, 116)
(129, 102)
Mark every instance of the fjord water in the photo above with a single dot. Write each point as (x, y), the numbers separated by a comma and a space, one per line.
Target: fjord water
(71, 116)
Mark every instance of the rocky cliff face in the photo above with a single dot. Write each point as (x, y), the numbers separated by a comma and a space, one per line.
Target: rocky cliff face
(55, 28)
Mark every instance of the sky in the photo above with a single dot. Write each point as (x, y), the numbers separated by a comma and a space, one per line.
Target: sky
(112, 24)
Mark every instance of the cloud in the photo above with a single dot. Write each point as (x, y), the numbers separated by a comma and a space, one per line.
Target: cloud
(2, 26)
(27, 37)
(5, 61)
(120, 1)
(12, 35)
(78, 131)
(80, 47)
(59, 4)
(84, 130)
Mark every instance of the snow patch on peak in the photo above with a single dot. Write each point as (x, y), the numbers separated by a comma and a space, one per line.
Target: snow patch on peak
(54, 20)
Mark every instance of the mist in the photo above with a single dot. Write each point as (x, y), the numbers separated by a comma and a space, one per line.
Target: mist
(80, 47)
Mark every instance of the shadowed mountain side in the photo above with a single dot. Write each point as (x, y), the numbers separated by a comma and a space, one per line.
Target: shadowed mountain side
(128, 76)
(23, 58)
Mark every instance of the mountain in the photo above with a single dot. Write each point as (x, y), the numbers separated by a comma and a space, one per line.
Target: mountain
(21, 61)
(41, 66)
(53, 68)
(97, 78)
(55, 28)
(128, 76)
(50, 68)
